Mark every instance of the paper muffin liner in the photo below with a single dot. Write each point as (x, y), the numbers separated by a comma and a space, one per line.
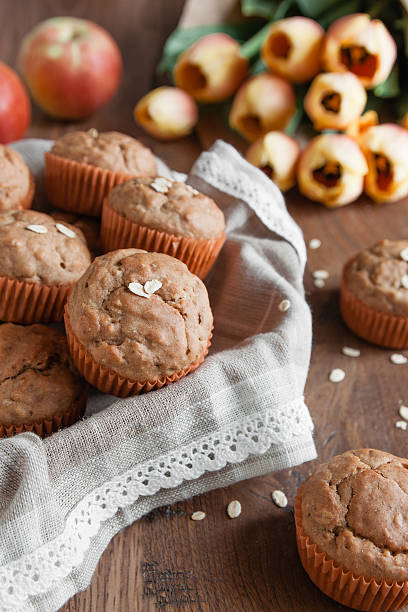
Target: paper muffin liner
(107, 380)
(381, 328)
(79, 187)
(118, 232)
(45, 427)
(23, 302)
(341, 584)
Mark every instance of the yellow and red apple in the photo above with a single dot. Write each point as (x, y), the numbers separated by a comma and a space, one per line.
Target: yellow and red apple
(71, 66)
(15, 109)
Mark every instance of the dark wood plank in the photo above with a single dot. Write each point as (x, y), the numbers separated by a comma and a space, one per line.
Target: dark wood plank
(247, 564)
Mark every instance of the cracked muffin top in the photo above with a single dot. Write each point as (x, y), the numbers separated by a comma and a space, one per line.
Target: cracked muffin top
(143, 315)
(378, 276)
(37, 380)
(110, 150)
(355, 508)
(36, 248)
(168, 206)
(89, 226)
(15, 179)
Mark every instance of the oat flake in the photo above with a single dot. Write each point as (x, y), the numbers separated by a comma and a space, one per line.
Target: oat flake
(192, 190)
(319, 283)
(38, 229)
(350, 352)
(65, 230)
(198, 516)
(336, 375)
(234, 509)
(401, 425)
(315, 243)
(280, 498)
(403, 412)
(321, 274)
(152, 286)
(398, 359)
(284, 305)
(404, 281)
(404, 254)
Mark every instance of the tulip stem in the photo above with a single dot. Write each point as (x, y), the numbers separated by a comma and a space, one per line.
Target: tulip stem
(251, 47)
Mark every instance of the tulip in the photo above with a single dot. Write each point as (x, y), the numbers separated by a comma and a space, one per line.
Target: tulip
(356, 128)
(292, 48)
(167, 113)
(404, 121)
(331, 170)
(334, 99)
(362, 46)
(211, 69)
(262, 104)
(276, 154)
(386, 150)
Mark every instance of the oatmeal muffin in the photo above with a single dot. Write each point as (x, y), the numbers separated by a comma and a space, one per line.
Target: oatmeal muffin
(39, 388)
(16, 181)
(374, 294)
(82, 167)
(354, 509)
(89, 226)
(137, 320)
(164, 216)
(40, 258)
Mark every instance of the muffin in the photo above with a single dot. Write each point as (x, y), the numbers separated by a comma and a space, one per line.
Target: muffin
(82, 167)
(137, 321)
(40, 258)
(352, 529)
(374, 294)
(40, 390)
(89, 226)
(16, 181)
(164, 216)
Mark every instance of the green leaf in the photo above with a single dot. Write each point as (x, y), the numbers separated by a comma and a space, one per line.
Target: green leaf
(257, 67)
(182, 38)
(340, 9)
(297, 118)
(261, 8)
(390, 88)
(314, 8)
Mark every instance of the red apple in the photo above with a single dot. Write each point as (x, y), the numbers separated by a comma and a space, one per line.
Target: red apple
(71, 66)
(15, 109)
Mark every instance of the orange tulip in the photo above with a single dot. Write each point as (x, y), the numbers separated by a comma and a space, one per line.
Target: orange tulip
(211, 69)
(331, 170)
(167, 113)
(356, 128)
(334, 100)
(404, 121)
(362, 46)
(386, 150)
(292, 48)
(276, 154)
(263, 103)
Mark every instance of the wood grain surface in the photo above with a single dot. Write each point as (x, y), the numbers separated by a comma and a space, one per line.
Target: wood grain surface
(165, 561)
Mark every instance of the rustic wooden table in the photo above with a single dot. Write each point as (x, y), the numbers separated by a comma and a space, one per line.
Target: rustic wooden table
(166, 561)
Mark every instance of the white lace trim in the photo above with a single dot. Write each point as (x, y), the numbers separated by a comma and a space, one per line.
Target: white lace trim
(223, 168)
(35, 573)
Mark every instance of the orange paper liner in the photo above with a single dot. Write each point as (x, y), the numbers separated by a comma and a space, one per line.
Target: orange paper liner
(389, 331)
(45, 427)
(23, 302)
(341, 584)
(79, 187)
(118, 232)
(107, 380)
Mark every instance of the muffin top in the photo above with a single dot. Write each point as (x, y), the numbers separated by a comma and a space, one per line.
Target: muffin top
(355, 508)
(37, 379)
(89, 226)
(37, 249)
(168, 206)
(378, 276)
(15, 179)
(110, 150)
(141, 337)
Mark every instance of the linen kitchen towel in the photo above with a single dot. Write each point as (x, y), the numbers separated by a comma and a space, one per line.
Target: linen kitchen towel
(241, 414)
